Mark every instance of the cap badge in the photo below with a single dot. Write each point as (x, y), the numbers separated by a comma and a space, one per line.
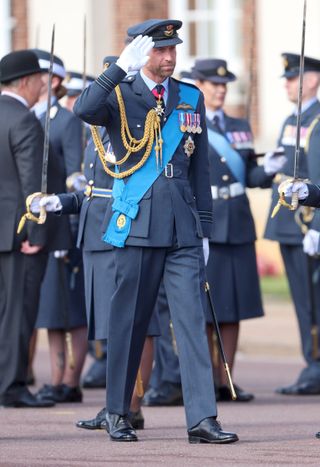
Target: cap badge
(221, 71)
(68, 78)
(169, 30)
(285, 62)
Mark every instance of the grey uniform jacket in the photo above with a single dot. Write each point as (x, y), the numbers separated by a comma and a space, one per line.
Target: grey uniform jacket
(234, 222)
(283, 227)
(64, 159)
(173, 210)
(91, 210)
(21, 138)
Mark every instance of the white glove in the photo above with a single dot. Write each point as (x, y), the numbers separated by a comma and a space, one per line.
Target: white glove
(311, 242)
(288, 188)
(51, 203)
(135, 55)
(59, 254)
(273, 163)
(79, 183)
(206, 249)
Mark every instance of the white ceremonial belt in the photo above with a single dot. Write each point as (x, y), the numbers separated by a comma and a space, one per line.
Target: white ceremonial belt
(228, 191)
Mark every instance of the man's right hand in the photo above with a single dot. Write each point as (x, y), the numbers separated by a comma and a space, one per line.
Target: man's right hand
(51, 203)
(288, 188)
(135, 55)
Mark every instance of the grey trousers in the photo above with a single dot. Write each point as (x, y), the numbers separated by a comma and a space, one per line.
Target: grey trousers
(139, 271)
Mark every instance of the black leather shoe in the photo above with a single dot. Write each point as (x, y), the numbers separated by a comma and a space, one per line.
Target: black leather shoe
(306, 388)
(97, 423)
(24, 399)
(69, 394)
(168, 394)
(136, 420)
(120, 428)
(60, 393)
(96, 375)
(318, 435)
(209, 431)
(242, 396)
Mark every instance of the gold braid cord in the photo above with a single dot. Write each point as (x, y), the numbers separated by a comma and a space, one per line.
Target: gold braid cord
(29, 215)
(152, 131)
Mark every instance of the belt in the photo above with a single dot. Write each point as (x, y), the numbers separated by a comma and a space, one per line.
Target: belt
(173, 171)
(228, 191)
(92, 191)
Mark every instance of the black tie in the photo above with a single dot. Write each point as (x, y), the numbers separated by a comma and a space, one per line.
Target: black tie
(216, 123)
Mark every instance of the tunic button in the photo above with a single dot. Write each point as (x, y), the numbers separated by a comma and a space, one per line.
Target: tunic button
(223, 159)
(91, 182)
(91, 165)
(225, 177)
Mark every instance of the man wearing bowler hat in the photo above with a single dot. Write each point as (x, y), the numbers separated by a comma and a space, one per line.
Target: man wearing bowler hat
(283, 228)
(158, 218)
(21, 140)
(232, 266)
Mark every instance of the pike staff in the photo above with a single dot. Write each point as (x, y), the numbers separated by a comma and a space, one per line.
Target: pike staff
(294, 201)
(44, 177)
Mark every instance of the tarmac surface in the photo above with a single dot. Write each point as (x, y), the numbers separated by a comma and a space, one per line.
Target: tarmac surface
(274, 430)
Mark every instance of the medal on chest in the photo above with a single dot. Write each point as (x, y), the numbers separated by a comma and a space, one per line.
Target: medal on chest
(189, 146)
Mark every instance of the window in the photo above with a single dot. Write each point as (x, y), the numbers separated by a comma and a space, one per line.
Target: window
(211, 28)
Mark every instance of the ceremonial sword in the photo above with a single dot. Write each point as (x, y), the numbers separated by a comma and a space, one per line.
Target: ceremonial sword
(294, 200)
(44, 175)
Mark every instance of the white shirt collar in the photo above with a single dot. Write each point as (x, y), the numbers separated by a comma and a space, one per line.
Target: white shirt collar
(16, 96)
(210, 114)
(305, 106)
(151, 84)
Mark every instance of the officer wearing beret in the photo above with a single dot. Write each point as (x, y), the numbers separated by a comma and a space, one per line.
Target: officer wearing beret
(21, 139)
(157, 220)
(283, 227)
(62, 304)
(232, 266)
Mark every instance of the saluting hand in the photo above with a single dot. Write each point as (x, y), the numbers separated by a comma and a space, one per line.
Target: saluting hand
(135, 55)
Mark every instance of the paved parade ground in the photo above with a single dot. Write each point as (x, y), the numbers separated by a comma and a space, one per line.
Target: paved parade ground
(274, 430)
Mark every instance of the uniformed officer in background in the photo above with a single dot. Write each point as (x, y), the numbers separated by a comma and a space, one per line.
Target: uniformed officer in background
(21, 139)
(283, 227)
(232, 267)
(157, 220)
(62, 304)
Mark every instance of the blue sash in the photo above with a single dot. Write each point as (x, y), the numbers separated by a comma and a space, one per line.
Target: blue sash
(128, 195)
(233, 158)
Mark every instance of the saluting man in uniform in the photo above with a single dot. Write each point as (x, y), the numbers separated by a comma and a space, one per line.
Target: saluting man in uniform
(283, 227)
(157, 220)
(232, 266)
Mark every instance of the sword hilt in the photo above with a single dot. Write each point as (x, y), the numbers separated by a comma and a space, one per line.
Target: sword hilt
(29, 215)
(282, 202)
